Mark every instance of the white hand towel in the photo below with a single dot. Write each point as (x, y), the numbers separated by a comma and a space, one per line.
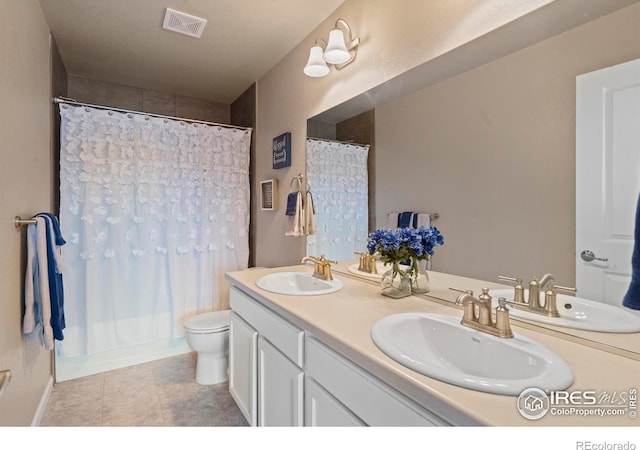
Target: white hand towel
(309, 214)
(29, 321)
(392, 221)
(37, 290)
(46, 337)
(295, 223)
(424, 220)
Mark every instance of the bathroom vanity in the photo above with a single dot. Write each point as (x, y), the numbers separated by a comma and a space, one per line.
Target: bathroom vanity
(310, 360)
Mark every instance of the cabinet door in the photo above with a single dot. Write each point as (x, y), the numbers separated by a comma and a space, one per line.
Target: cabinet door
(280, 388)
(243, 360)
(323, 410)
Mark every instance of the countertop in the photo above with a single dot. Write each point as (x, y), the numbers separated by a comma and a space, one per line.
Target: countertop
(343, 321)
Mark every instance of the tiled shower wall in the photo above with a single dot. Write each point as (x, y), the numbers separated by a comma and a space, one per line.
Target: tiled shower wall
(138, 99)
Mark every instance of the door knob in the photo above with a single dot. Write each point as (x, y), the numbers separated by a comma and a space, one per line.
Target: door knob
(588, 256)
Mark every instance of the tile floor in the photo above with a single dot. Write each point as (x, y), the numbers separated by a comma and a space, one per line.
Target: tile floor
(159, 393)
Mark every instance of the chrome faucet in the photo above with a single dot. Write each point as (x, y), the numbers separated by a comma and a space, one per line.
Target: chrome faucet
(321, 266)
(483, 320)
(546, 286)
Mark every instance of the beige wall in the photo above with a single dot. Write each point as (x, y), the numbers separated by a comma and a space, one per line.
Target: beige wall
(493, 151)
(25, 189)
(395, 37)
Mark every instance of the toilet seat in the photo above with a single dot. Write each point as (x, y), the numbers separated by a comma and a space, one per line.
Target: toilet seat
(212, 322)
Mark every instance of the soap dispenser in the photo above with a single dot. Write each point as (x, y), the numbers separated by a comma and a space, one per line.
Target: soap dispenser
(502, 319)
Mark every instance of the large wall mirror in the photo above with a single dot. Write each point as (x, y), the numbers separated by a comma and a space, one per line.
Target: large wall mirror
(491, 149)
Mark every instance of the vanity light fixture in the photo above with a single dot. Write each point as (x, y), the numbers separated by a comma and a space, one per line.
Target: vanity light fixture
(336, 52)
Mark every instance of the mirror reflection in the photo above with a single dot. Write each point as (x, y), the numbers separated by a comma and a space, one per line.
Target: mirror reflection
(337, 176)
(493, 150)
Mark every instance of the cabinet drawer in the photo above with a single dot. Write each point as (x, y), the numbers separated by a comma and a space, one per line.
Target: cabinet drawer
(368, 398)
(284, 336)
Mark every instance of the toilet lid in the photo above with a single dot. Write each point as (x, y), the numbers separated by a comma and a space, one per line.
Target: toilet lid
(212, 321)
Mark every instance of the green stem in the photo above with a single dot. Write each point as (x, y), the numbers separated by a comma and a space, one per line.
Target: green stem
(414, 268)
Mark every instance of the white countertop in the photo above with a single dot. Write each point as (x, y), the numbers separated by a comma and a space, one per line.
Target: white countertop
(343, 320)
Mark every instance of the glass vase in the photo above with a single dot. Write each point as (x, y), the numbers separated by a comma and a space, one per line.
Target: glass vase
(419, 278)
(396, 283)
(420, 282)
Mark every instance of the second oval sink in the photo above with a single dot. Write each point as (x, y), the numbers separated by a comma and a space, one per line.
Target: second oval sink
(440, 347)
(577, 313)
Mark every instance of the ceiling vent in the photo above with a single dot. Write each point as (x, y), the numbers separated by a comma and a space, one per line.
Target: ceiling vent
(183, 23)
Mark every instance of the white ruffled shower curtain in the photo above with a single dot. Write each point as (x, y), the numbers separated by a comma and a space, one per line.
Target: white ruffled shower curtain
(154, 211)
(337, 177)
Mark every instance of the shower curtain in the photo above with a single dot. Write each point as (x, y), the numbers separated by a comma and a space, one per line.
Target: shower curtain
(154, 211)
(337, 177)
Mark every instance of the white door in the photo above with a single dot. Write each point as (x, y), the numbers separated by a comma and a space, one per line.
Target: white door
(280, 388)
(243, 367)
(607, 179)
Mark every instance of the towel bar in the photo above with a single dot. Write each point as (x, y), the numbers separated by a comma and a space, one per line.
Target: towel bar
(19, 221)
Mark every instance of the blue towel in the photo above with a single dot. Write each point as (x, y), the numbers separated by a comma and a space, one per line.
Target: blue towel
(56, 291)
(632, 297)
(404, 219)
(292, 199)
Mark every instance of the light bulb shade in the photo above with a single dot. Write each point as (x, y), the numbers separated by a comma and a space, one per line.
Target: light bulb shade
(316, 66)
(336, 51)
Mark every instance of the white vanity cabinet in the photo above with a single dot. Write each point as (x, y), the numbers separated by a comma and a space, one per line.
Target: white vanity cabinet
(281, 375)
(265, 363)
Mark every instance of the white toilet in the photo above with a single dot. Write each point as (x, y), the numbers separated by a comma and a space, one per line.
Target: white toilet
(208, 335)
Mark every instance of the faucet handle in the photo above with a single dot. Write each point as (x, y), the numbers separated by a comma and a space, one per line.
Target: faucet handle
(323, 259)
(566, 289)
(464, 291)
(517, 281)
(518, 295)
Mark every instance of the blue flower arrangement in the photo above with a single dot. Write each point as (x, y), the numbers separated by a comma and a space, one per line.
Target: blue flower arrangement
(402, 244)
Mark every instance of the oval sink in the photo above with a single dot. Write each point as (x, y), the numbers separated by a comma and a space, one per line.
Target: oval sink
(578, 313)
(297, 283)
(439, 347)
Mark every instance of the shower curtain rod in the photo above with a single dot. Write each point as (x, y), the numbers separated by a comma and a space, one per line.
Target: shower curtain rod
(72, 102)
(337, 142)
